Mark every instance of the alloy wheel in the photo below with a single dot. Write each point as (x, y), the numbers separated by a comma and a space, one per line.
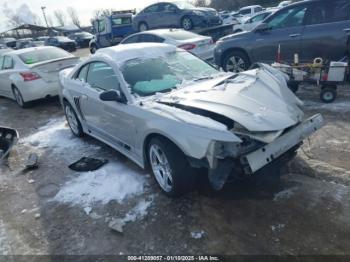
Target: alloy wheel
(235, 64)
(72, 120)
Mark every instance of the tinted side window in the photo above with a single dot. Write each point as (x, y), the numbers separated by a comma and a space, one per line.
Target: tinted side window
(101, 25)
(151, 9)
(259, 18)
(257, 9)
(150, 38)
(341, 11)
(82, 73)
(131, 39)
(101, 76)
(8, 63)
(288, 18)
(169, 8)
(327, 12)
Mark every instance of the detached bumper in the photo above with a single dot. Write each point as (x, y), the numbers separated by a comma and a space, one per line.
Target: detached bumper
(256, 160)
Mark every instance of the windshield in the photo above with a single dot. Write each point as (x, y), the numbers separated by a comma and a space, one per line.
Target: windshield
(162, 74)
(42, 55)
(184, 5)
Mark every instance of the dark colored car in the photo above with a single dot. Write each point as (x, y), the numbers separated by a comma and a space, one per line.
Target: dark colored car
(82, 38)
(314, 28)
(175, 15)
(9, 42)
(62, 42)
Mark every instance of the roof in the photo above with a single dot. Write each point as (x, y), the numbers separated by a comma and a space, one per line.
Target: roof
(123, 53)
(29, 27)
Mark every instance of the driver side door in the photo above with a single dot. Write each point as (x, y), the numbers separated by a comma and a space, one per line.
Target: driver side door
(285, 30)
(109, 120)
(6, 69)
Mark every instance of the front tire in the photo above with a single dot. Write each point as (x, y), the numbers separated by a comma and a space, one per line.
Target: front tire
(328, 94)
(93, 49)
(187, 23)
(73, 120)
(19, 98)
(170, 167)
(236, 61)
(143, 27)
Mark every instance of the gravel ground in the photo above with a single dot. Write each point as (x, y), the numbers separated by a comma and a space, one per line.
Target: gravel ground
(54, 210)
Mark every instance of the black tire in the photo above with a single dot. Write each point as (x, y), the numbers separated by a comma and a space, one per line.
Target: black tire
(143, 26)
(242, 61)
(78, 130)
(19, 98)
(93, 49)
(183, 175)
(186, 23)
(328, 94)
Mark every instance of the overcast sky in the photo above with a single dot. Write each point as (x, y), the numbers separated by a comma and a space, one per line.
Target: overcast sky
(85, 8)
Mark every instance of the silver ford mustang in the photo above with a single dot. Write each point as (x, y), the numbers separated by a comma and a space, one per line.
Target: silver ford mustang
(167, 109)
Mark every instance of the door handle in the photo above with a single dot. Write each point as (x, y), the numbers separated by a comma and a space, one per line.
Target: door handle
(346, 30)
(295, 35)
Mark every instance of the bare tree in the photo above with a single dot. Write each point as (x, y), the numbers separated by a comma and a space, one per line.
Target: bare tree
(201, 3)
(72, 13)
(102, 12)
(60, 17)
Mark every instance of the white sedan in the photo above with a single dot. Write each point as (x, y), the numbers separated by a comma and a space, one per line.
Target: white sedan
(250, 23)
(201, 46)
(32, 73)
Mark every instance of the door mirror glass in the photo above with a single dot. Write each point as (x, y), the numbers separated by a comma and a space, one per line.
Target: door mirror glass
(113, 95)
(262, 27)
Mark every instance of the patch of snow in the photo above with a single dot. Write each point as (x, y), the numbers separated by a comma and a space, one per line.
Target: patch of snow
(334, 107)
(87, 210)
(57, 136)
(285, 194)
(5, 248)
(138, 212)
(198, 234)
(114, 181)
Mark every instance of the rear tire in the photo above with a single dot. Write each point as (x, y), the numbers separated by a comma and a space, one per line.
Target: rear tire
(19, 98)
(328, 94)
(73, 120)
(236, 61)
(170, 167)
(93, 49)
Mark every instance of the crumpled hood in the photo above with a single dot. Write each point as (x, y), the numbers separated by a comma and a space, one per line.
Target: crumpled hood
(259, 100)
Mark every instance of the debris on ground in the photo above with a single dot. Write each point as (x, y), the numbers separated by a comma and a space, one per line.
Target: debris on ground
(31, 181)
(277, 227)
(198, 234)
(117, 225)
(86, 164)
(37, 215)
(285, 194)
(32, 161)
(87, 210)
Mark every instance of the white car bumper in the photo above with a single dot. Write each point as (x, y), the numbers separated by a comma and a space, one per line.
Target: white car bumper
(205, 54)
(264, 156)
(37, 89)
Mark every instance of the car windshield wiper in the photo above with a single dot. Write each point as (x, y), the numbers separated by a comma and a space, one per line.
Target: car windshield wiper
(203, 78)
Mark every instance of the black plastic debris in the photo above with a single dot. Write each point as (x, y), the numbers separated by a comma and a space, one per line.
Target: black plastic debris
(32, 161)
(8, 138)
(86, 164)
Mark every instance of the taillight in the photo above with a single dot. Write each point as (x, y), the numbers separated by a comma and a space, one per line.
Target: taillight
(187, 46)
(29, 76)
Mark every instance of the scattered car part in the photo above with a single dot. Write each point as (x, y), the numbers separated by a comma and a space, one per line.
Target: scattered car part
(8, 138)
(86, 164)
(32, 161)
(116, 225)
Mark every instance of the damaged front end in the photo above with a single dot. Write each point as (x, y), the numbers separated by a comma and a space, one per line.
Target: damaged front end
(251, 155)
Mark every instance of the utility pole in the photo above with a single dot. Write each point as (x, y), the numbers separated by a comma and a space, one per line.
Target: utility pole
(43, 8)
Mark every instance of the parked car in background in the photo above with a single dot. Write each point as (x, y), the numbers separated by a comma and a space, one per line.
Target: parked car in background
(32, 73)
(9, 42)
(175, 15)
(82, 39)
(201, 46)
(28, 42)
(169, 110)
(249, 23)
(249, 11)
(284, 4)
(61, 42)
(314, 28)
(111, 30)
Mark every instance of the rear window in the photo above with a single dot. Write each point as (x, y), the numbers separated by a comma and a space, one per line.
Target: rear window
(180, 35)
(42, 55)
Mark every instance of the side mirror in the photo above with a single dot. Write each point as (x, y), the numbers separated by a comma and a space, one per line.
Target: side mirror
(113, 95)
(262, 27)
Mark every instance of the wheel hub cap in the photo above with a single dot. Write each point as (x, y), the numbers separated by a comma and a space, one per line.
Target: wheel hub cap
(235, 64)
(161, 168)
(72, 121)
